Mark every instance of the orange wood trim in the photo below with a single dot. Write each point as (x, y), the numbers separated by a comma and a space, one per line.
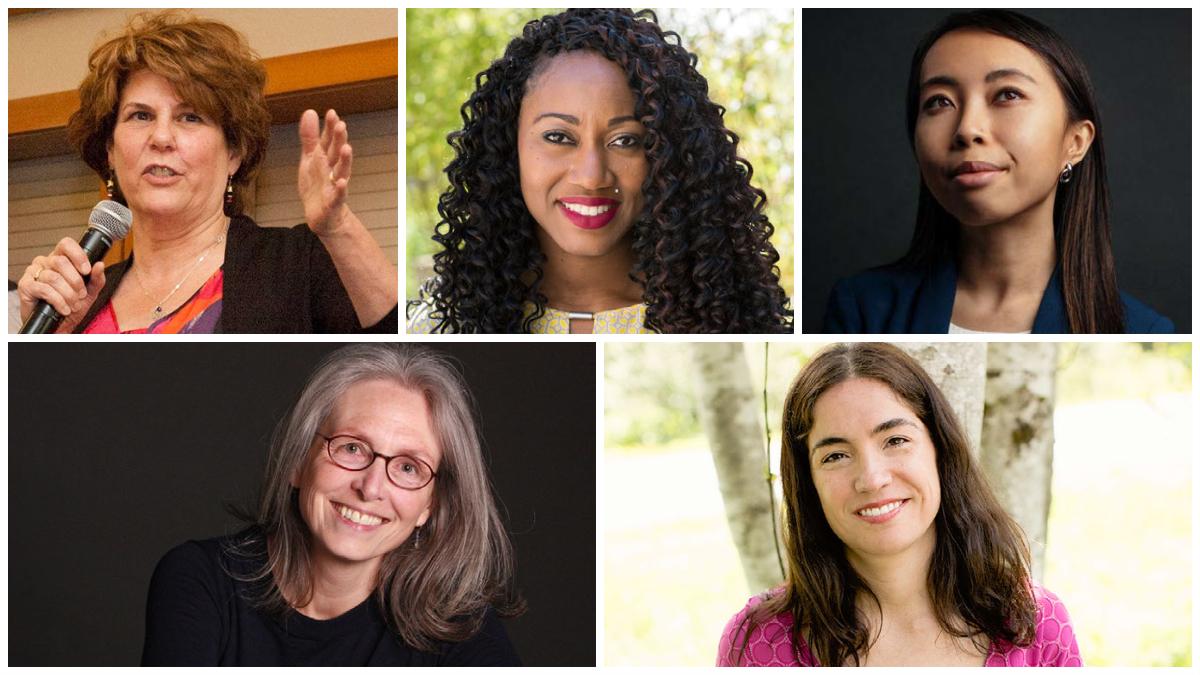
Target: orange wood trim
(285, 74)
(37, 113)
(333, 66)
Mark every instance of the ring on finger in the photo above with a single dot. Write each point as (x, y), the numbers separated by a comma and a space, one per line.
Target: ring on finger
(332, 178)
(38, 273)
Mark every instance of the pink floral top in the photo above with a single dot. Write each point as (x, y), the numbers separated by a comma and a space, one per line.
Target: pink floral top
(770, 643)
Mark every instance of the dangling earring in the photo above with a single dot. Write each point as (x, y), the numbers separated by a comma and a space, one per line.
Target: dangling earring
(108, 186)
(1065, 176)
(417, 538)
(229, 196)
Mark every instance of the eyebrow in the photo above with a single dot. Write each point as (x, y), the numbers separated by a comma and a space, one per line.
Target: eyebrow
(879, 428)
(571, 119)
(417, 451)
(990, 77)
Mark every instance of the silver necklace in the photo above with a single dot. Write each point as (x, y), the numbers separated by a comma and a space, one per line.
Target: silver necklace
(157, 312)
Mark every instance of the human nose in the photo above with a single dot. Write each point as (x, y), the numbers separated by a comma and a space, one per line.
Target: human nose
(590, 168)
(162, 134)
(372, 481)
(874, 474)
(972, 125)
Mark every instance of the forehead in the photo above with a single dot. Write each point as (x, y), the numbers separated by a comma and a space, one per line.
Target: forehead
(578, 81)
(969, 55)
(389, 416)
(856, 406)
(144, 82)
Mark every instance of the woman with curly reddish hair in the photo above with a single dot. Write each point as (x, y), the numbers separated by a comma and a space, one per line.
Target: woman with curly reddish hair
(173, 117)
(596, 189)
(898, 552)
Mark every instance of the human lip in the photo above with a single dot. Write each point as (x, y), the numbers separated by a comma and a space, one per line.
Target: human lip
(160, 174)
(975, 174)
(881, 512)
(589, 213)
(357, 518)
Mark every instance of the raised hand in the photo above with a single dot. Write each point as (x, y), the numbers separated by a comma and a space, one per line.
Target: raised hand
(324, 176)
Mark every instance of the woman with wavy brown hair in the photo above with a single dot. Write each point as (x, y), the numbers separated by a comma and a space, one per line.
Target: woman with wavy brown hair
(173, 117)
(898, 553)
(596, 189)
(377, 540)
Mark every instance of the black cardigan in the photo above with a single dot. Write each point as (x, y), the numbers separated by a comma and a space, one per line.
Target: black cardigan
(277, 280)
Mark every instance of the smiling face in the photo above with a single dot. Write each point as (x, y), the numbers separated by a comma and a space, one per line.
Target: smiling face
(874, 468)
(360, 516)
(170, 160)
(581, 153)
(993, 131)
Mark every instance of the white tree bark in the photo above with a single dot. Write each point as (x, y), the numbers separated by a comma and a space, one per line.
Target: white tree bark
(731, 414)
(958, 369)
(1018, 435)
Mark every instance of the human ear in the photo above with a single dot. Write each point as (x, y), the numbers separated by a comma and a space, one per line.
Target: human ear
(1078, 140)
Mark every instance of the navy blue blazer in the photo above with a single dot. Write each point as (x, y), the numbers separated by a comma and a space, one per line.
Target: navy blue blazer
(895, 299)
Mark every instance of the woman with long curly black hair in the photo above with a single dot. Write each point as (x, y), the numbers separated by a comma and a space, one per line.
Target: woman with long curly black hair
(595, 188)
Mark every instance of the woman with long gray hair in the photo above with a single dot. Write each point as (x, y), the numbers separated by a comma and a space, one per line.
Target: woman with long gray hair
(377, 540)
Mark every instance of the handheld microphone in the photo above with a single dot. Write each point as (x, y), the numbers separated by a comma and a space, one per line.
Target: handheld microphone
(108, 222)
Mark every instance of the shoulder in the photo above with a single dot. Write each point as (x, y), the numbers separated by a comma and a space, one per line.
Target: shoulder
(766, 642)
(488, 647)
(421, 319)
(878, 300)
(1140, 318)
(205, 560)
(1054, 642)
(246, 235)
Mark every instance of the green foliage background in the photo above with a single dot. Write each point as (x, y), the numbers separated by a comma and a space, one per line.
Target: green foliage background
(746, 56)
(1118, 549)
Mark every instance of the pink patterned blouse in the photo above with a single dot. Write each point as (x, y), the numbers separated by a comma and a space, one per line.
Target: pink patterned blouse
(770, 643)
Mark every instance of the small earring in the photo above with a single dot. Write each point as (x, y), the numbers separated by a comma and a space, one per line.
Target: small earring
(229, 194)
(1065, 176)
(108, 186)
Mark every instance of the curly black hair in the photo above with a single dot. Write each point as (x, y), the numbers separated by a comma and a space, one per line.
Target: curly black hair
(702, 243)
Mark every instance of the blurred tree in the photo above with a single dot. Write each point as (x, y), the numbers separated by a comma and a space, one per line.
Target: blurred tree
(730, 411)
(957, 368)
(1018, 435)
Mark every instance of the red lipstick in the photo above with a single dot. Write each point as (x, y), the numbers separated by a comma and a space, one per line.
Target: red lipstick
(596, 211)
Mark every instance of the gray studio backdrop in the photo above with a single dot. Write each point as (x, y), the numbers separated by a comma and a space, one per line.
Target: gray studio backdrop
(860, 179)
(119, 452)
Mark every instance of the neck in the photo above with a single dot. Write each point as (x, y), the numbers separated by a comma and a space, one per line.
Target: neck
(589, 283)
(162, 248)
(899, 580)
(338, 586)
(1013, 256)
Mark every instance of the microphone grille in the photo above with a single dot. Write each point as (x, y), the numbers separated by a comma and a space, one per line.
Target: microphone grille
(111, 218)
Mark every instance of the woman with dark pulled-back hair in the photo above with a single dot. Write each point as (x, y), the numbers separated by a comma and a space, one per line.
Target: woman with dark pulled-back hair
(1012, 229)
(596, 189)
(897, 552)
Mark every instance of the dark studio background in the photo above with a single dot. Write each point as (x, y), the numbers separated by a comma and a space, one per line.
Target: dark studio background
(119, 452)
(860, 178)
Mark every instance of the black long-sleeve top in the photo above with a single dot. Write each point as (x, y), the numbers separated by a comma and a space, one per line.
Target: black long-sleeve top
(197, 614)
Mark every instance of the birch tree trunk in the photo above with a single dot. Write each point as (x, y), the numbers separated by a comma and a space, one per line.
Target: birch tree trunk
(958, 369)
(1018, 435)
(731, 414)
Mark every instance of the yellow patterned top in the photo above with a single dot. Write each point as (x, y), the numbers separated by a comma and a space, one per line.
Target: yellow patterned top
(623, 320)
